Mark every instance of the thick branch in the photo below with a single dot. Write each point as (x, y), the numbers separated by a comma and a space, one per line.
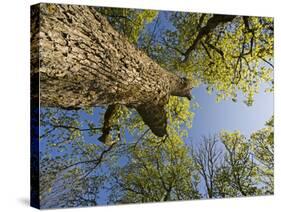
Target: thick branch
(108, 123)
(211, 25)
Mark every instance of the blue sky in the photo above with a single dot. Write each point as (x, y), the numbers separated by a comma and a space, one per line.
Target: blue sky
(212, 117)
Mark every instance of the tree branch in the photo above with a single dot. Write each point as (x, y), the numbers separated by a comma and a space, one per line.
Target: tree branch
(211, 25)
(96, 160)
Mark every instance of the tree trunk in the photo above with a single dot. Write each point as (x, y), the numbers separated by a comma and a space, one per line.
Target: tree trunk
(83, 61)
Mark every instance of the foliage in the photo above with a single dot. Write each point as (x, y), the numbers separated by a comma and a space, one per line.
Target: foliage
(234, 56)
(127, 21)
(239, 168)
(262, 145)
(157, 171)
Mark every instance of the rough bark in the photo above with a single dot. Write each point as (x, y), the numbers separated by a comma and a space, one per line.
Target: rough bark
(83, 61)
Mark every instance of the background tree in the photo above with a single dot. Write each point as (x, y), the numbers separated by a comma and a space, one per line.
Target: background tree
(232, 165)
(239, 167)
(207, 158)
(157, 171)
(262, 144)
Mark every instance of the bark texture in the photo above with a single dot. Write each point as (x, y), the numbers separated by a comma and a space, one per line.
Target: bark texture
(83, 61)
